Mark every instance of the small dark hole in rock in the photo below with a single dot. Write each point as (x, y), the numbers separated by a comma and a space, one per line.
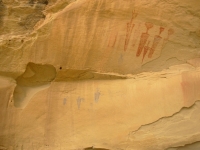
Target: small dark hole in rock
(60, 68)
(22, 41)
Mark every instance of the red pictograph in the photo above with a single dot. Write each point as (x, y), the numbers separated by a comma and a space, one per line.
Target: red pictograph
(130, 26)
(143, 39)
(112, 39)
(135, 35)
(156, 41)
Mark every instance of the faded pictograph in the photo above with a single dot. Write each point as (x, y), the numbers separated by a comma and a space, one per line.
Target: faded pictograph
(152, 40)
(143, 39)
(109, 48)
(97, 95)
(79, 101)
(149, 43)
(112, 39)
(136, 32)
(121, 57)
(64, 101)
(130, 26)
(156, 41)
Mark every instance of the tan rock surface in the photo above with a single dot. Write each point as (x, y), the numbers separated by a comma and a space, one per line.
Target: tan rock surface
(89, 74)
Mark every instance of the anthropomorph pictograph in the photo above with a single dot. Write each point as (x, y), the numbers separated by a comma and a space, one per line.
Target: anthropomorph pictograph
(156, 41)
(135, 37)
(130, 26)
(121, 58)
(143, 39)
(97, 95)
(79, 101)
(64, 101)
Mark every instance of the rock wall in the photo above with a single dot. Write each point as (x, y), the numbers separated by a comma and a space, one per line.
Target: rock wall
(99, 74)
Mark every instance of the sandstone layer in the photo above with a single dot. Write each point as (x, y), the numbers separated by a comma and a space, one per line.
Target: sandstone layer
(99, 74)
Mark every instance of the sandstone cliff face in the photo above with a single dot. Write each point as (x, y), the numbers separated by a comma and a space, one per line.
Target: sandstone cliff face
(99, 74)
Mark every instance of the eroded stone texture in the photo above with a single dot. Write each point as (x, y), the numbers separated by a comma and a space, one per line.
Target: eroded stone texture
(35, 78)
(170, 131)
(99, 74)
(192, 146)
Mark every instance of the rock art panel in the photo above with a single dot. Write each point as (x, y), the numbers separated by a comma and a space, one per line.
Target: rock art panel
(99, 74)
(106, 43)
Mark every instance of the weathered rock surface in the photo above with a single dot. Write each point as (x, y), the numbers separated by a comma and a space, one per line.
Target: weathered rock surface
(192, 146)
(99, 74)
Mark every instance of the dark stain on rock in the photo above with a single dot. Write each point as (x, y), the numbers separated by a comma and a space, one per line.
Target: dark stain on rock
(38, 1)
(92, 148)
(30, 21)
(2, 13)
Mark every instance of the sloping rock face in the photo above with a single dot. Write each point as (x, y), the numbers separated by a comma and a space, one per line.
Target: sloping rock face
(99, 74)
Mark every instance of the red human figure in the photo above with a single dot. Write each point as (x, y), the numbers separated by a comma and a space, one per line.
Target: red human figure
(143, 39)
(136, 35)
(156, 41)
(130, 26)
